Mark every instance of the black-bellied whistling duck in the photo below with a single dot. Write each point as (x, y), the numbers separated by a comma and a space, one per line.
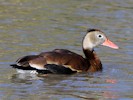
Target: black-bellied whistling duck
(61, 61)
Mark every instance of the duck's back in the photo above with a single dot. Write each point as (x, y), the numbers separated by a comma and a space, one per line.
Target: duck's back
(59, 60)
(66, 58)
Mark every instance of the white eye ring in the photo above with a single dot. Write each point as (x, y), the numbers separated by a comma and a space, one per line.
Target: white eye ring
(100, 36)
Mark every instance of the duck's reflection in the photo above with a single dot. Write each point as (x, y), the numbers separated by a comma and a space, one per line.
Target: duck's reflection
(83, 86)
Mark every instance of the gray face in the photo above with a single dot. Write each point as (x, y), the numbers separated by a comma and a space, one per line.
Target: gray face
(93, 39)
(98, 38)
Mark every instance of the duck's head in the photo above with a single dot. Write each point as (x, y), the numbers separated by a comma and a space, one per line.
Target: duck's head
(95, 37)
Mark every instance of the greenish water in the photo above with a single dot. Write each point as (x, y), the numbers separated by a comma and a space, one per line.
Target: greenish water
(33, 26)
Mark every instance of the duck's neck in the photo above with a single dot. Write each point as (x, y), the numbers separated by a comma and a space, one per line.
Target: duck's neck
(93, 60)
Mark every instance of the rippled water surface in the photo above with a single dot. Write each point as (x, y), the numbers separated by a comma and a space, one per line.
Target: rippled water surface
(33, 26)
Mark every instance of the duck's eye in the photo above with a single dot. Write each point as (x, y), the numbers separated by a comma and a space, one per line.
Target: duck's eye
(99, 36)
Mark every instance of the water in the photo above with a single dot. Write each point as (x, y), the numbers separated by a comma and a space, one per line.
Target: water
(33, 26)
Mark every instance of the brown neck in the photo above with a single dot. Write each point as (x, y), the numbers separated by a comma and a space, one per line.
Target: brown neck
(88, 53)
(93, 60)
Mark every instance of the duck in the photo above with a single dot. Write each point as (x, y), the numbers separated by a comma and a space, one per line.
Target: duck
(63, 61)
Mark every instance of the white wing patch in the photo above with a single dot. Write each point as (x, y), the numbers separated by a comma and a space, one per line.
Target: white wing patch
(37, 66)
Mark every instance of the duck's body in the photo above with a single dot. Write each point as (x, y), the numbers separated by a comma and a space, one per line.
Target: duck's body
(63, 61)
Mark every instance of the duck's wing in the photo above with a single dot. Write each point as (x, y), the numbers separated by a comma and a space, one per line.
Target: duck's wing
(24, 62)
(57, 61)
